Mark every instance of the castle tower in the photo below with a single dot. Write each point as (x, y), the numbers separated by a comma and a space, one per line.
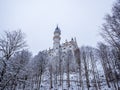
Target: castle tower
(56, 38)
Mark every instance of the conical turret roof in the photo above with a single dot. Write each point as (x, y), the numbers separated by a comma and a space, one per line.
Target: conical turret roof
(57, 30)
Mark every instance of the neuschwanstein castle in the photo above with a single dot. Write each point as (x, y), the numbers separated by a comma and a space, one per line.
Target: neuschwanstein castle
(61, 48)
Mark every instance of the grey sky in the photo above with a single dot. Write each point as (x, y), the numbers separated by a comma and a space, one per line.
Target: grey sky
(38, 18)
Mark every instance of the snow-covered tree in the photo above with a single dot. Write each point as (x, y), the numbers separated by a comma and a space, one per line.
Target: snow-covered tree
(10, 43)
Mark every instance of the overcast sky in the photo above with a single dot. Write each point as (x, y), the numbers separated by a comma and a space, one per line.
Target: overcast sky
(38, 19)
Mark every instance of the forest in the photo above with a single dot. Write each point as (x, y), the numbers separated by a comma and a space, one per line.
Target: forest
(94, 68)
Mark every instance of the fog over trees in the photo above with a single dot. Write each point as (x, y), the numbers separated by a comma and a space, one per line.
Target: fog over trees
(90, 68)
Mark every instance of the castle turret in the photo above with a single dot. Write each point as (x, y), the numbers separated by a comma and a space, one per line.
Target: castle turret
(56, 38)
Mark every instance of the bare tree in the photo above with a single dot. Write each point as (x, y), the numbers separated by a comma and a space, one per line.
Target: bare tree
(10, 43)
(111, 30)
(93, 54)
(19, 68)
(108, 65)
(51, 75)
(78, 60)
(104, 60)
(69, 56)
(84, 56)
(40, 62)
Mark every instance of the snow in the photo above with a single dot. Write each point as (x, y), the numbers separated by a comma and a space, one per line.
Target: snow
(45, 85)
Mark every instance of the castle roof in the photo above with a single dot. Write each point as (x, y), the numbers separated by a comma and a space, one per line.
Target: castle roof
(57, 30)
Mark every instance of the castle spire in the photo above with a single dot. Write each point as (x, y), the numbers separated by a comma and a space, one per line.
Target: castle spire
(57, 26)
(57, 30)
(75, 41)
(56, 38)
(72, 39)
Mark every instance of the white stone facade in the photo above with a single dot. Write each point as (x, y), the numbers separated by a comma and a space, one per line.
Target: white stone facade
(61, 48)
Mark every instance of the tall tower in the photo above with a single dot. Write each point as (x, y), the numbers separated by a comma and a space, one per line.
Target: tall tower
(56, 38)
